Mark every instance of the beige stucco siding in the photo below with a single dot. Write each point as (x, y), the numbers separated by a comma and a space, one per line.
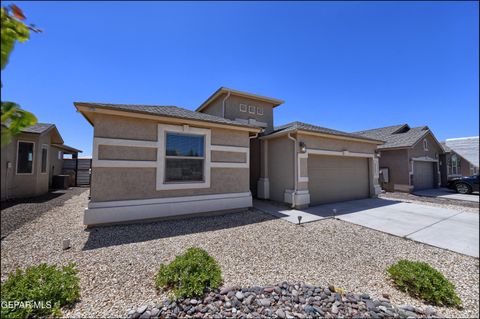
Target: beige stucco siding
(125, 128)
(433, 148)
(397, 162)
(110, 184)
(280, 167)
(55, 164)
(232, 109)
(232, 157)
(110, 152)
(24, 185)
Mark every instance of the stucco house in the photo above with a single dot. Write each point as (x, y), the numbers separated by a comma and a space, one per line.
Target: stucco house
(159, 161)
(409, 159)
(31, 159)
(460, 158)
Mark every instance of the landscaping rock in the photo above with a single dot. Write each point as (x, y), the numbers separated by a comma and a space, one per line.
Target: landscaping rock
(283, 301)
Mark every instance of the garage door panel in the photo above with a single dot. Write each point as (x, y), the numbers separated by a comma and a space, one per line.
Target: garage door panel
(423, 176)
(334, 178)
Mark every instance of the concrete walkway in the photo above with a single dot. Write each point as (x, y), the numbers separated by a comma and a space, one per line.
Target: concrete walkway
(445, 228)
(448, 194)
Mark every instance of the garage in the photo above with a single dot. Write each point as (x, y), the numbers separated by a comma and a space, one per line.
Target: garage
(337, 178)
(423, 176)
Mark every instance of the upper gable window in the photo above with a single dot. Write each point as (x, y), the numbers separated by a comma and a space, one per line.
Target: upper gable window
(251, 109)
(425, 145)
(243, 108)
(259, 110)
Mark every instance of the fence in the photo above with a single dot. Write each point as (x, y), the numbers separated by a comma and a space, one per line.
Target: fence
(82, 168)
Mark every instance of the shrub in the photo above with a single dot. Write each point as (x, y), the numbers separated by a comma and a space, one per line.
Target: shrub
(39, 291)
(421, 280)
(190, 274)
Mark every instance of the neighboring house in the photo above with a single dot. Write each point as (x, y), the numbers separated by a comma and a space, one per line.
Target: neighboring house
(409, 159)
(460, 158)
(31, 159)
(160, 161)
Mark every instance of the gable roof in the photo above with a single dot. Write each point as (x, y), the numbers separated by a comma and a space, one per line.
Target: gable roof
(38, 128)
(466, 147)
(396, 136)
(301, 126)
(446, 149)
(221, 90)
(166, 111)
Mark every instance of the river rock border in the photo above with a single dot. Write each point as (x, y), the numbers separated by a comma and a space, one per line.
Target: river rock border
(280, 301)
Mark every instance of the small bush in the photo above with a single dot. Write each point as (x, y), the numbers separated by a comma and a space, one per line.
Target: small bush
(421, 280)
(39, 291)
(190, 274)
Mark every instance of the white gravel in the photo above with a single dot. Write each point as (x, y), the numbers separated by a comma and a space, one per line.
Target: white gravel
(117, 264)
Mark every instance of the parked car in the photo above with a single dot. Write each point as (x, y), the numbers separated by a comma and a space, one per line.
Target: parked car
(464, 185)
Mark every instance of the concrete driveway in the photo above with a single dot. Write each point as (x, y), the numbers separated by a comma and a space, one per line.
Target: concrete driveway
(445, 228)
(447, 194)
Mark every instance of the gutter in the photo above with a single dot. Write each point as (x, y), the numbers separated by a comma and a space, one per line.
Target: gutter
(223, 103)
(294, 168)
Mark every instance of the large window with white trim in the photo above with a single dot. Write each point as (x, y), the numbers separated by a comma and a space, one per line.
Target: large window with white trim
(25, 158)
(184, 157)
(454, 167)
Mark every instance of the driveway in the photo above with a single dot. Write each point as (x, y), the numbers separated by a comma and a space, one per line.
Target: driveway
(448, 194)
(445, 228)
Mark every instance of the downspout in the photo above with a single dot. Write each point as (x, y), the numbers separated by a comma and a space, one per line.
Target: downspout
(294, 169)
(223, 104)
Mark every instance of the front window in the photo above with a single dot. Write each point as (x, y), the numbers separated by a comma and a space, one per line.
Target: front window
(25, 158)
(454, 166)
(184, 157)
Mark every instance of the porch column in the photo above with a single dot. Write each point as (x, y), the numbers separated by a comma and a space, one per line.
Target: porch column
(263, 184)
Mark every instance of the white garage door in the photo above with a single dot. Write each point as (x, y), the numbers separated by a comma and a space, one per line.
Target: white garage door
(423, 177)
(334, 178)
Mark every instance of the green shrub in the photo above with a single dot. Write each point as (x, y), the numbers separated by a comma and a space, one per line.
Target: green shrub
(39, 291)
(421, 280)
(190, 274)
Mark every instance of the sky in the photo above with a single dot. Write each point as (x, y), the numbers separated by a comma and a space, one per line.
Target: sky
(349, 66)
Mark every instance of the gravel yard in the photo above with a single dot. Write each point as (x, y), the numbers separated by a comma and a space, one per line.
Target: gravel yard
(117, 264)
(433, 201)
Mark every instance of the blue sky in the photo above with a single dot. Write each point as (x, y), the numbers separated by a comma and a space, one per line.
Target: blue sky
(344, 65)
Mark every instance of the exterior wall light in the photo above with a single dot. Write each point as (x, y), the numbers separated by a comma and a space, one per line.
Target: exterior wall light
(303, 147)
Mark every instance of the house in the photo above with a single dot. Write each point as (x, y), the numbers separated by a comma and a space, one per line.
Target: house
(409, 159)
(31, 159)
(160, 161)
(460, 158)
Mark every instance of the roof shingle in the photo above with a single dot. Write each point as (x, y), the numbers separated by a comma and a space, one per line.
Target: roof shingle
(165, 110)
(38, 128)
(396, 136)
(294, 126)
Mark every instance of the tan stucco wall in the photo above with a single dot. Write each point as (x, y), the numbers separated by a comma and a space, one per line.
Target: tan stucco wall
(397, 162)
(233, 157)
(280, 167)
(140, 183)
(433, 149)
(110, 152)
(17, 186)
(232, 109)
(55, 164)
(109, 184)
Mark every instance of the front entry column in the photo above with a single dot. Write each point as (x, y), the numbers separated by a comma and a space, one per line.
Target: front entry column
(263, 184)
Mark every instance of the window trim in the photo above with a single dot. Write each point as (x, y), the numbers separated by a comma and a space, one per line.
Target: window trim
(250, 107)
(161, 157)
(259, 110)
(33, 157)
(425, 144)
(243, 108)
(44, 146)
(200, 158)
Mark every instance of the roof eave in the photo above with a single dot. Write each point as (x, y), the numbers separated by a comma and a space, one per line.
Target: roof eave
(342, 137)
(87, 109)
